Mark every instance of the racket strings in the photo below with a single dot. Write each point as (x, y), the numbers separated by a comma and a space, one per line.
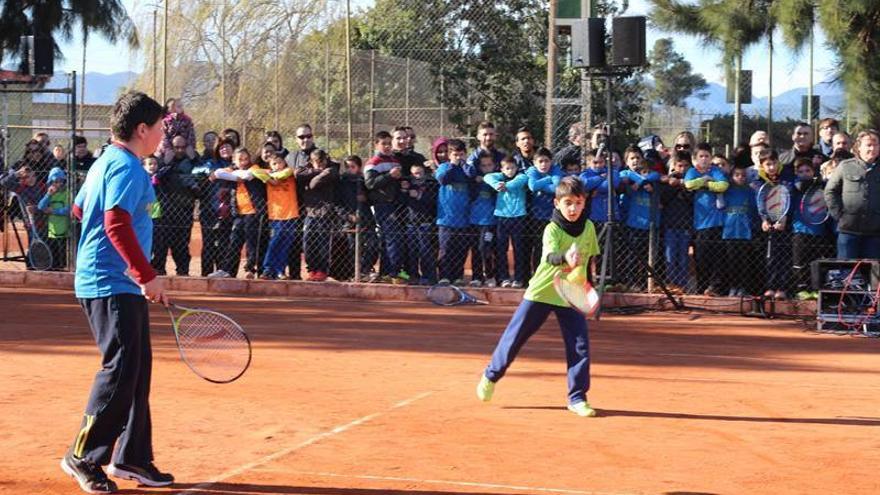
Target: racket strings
(212, 345)
(40, 256)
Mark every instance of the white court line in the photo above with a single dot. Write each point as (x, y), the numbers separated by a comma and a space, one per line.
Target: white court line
(529, 489)
(317, 438)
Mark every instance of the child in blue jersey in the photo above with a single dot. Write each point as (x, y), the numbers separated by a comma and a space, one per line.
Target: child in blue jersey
(642, 213)
(808, 242)
(778, 265)
(113, 282)
(453, 218)
(678, 219)
(483, 226)
(572, 168)
(739, 220)
(543, 176)
(595, 180)
(569, 242)
(510, 211)
(706, 181)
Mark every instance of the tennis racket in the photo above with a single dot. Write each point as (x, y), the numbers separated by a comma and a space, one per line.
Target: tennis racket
(574, 288)
(39, 255)
(450, 295)
(212, 344)
(773, 204)
(814, 211)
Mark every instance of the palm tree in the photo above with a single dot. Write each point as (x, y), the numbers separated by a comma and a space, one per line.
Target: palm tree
(729, 25)
(59, 18)
(853, 32)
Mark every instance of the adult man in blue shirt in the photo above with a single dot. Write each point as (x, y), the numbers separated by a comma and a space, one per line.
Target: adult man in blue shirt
(113, 282)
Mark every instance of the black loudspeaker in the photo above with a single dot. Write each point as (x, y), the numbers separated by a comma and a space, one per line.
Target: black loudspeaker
(628, 41)
(588, 42)
(39, 54)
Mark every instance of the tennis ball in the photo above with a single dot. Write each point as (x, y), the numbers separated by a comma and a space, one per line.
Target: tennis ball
(577, 276)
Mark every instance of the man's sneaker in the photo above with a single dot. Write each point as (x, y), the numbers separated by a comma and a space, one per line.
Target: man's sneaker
(505, 284)
(459, 282)
(219, 274)
(485, 389)
(90, 476)
(148, 476)
(476, 283)
(490, 283)
(444, 281)
(516, 284)
(582, 409)
(402, 274)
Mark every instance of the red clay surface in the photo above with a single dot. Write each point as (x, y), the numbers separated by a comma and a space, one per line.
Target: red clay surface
(378, 399)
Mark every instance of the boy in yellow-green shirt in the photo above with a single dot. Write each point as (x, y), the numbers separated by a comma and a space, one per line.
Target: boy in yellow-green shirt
(569, 241)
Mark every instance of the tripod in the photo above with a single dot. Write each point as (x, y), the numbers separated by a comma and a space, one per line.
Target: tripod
(608, 230)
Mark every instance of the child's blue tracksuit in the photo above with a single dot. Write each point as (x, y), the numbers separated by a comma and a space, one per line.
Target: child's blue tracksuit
(453, 219)
(510, 210)
(542, 187)
(740, 218)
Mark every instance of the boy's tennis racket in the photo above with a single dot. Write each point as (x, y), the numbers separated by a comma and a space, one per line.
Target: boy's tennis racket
(814, 211)
(212, 344)
(573, 287)
(450, 295)
(773, 204)
(39, 255)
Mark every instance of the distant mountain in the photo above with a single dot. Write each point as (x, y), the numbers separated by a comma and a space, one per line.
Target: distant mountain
(101, 89)
(785, 105)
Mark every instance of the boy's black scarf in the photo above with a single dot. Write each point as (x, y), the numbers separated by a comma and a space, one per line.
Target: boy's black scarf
(573, 229)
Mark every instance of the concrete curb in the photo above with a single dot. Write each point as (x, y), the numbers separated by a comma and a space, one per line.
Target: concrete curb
(381, 292)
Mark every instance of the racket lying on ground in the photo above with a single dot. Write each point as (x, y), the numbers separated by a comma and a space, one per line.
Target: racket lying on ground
(773, 204)
(450, 295)
(39, 255)
(814, 211)
(573, 287)
(212, 344)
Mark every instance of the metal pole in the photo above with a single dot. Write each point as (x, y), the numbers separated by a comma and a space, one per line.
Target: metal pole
(327, 94)
(155, 52)
(406, 95)
(737, 101)
(165, 53)
(442, 117)
(82, 88)
(4, 140)
(372, 93)
(348, 72)
(608, 250)
(71, 181)
(275, 89)
(810, 84)
(770, 82)
(551, 75)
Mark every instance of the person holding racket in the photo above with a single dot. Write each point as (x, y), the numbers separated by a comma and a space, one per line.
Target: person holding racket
(569, 243)
(809, 225)
(774, 202)
(114, 282)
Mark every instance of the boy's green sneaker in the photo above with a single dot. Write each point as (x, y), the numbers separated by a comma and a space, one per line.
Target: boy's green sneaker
(485, 389)
(582, 409)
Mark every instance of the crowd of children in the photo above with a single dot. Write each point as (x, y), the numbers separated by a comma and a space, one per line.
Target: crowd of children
(422, 221)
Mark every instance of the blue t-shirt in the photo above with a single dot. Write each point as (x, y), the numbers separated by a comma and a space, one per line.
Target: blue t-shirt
(116, 179)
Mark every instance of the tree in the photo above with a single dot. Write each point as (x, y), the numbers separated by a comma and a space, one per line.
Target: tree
(673, 79)
(489, 55)
(729, 25)
(58, 18)
(852, 30)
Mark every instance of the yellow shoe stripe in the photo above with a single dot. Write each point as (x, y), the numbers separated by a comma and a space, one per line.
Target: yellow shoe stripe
(80, 445)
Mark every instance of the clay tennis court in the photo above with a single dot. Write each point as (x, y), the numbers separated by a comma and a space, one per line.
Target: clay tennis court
(372, 398)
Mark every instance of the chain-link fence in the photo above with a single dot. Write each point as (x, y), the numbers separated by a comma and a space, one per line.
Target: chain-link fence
(412, 207)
